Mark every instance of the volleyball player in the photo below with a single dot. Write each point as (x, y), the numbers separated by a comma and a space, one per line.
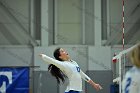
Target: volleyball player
(131, 81)
(63, 67)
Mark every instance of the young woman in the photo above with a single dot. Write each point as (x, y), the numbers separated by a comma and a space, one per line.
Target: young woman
(131, 81)
(63, 67)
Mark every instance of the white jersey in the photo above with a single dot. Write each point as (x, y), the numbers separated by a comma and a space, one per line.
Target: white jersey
(72, 71)
(131, 81)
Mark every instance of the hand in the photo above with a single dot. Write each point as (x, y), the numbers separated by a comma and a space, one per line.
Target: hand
(41, 55)
(94, 85)
(97, 87)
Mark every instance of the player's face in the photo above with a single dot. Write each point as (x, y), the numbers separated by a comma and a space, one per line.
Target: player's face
(63, 54)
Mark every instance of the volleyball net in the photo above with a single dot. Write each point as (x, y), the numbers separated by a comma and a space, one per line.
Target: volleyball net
(123, 64)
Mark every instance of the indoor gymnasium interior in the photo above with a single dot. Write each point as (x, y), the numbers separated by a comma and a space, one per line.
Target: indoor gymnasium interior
(98, 35)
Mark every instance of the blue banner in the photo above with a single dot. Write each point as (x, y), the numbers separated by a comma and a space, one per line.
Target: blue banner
(14, 80)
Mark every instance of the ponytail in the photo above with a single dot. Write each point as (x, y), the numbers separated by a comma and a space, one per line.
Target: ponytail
(55, 71)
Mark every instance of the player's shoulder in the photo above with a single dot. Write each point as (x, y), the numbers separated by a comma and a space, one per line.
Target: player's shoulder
(134, 72)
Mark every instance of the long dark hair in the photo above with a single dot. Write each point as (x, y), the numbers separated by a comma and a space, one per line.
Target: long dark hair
(55, 71)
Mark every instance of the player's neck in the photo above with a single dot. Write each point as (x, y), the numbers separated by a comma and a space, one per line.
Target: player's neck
(68, 60)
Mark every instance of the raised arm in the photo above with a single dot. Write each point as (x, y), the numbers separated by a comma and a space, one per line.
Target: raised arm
(50, 60)
(86, 78)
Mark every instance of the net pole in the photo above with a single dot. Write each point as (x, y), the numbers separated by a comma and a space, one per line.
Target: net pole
(123, 24)
(120, 73)
(123, 63)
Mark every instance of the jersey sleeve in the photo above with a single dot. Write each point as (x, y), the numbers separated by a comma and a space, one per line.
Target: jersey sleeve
(84, 76)
(55, 62)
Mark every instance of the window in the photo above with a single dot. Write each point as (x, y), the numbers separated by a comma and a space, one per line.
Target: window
(68, 22)
(71, 22)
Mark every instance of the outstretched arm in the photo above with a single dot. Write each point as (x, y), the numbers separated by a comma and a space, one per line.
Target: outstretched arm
(84, 76)
(50, 60)
(93, 84)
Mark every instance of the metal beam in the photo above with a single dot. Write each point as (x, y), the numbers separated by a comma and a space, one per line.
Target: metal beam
(132, 32)
(131, 21)
(7, 34)
(33, 41)
(135, 38)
